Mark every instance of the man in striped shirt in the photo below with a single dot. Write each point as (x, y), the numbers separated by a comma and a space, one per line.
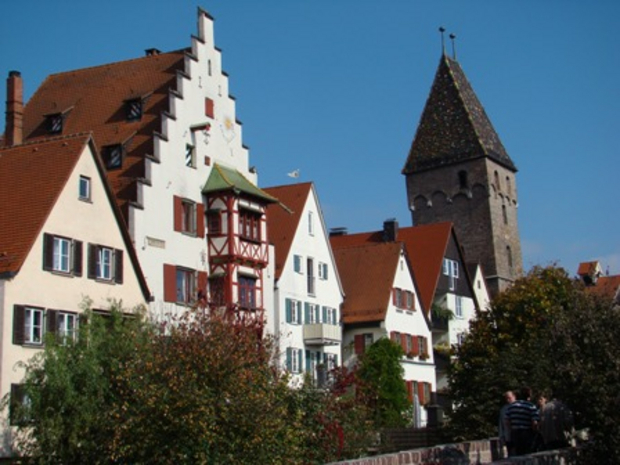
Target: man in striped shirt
(522, 419)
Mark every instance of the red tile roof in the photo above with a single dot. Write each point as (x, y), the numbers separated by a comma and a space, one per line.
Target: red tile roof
(587, 268)
(606, 286)
(283, 218)
(32, 177)
(426, 247)
(93, 99)
(367, 272)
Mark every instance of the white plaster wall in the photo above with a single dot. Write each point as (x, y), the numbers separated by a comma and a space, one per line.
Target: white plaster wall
(89, 222)
(222, 143)
(293, 285)
(459, 325)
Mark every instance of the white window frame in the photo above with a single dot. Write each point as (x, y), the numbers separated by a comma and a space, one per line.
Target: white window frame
(188, 217)
(105, 263)
(190, 156)
(311, 223)
(458, 308)
(84, 191)
(34, 327)
(323, 271)
(66, 325)
(296, 312)
(187, 290)
(62, 255)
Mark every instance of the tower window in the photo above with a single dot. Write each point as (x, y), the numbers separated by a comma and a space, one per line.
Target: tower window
(497, 186)
(509, 258)
(508, 186)
(463, 181)
(504, 214)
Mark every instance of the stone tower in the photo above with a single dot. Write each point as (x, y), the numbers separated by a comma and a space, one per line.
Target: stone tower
(458, 170)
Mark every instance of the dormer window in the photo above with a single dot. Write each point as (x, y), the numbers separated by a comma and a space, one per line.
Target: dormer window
(113, 156)
(54, 123)
(133, 109)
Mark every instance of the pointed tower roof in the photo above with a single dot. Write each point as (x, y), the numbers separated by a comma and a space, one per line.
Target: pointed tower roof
(454, 126)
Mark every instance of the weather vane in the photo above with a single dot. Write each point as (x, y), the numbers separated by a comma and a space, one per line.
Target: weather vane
(452, 37)
(443, 47)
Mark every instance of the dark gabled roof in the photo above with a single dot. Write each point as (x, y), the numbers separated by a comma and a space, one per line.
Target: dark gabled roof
(454, 126)
(283, 218)
(367, 272)
(94, 100)
(222, 178)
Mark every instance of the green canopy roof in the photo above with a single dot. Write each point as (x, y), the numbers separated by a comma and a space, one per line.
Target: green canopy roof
(222, 178)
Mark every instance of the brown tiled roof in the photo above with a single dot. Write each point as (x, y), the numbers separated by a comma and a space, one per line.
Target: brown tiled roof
(587, 268)
(454, 126)
(283, 218)
(367, 272)
(93, 99)
(606, 286)
(32, 177)
(426, 247)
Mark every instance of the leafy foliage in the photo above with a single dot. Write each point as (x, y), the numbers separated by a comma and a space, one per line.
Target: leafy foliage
(548, 333)
(202, 388)
(381, 383)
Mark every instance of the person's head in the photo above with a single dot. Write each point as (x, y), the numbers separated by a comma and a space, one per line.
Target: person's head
(544, 397)
(525, 393)
(509, 397)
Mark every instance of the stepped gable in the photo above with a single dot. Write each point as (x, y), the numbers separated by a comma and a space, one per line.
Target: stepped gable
(95, 99)
(367, 273)
(283, 218)
(454, 126)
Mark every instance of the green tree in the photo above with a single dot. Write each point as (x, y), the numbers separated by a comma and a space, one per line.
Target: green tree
(548, 333)
(381, 384)
(70, 386)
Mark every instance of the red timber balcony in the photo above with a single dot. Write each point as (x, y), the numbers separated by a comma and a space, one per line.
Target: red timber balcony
(322, 334)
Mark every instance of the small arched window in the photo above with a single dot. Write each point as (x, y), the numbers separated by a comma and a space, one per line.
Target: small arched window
(463, 182)
(508, 186)
(497, 186)
(504, 214)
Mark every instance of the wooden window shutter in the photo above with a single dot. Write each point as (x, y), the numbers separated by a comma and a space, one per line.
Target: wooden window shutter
(306, 313)
(200, 220)
(92, 261)
(409, 384)
(118, 266)
(289, 310)
(394, 336)
(50, 317)
(421, 393)
(426, 346)
(170, 283)
(300, 360)
(403, 342)
(77, 258)
(178, 213)
(18, 324)
(48, 252)
(289, 359)
(298, 305)
(202, 284)
(359, 344)
(209, 107)
(416, 346)
(394, 296)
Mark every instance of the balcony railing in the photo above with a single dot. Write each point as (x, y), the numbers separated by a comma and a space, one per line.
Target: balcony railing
(322, 334)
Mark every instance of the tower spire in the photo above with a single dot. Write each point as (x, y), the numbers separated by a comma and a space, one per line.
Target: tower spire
(443, 45)
(452, 37)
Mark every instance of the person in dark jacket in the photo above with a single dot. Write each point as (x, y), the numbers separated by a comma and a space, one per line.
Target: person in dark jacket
(522, 419)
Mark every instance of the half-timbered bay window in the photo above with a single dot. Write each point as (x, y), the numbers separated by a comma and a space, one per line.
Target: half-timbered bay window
(249, 225)
(105, 263)
(214, 222)
(62, 255)
(247, 292)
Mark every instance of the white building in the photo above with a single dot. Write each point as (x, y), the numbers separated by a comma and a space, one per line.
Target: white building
(382, 301)
(308, 293)
(161, 123)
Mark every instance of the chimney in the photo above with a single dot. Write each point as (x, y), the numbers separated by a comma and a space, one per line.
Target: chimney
(390, 230)
(149, 52)
(340, 231)
(14, 131)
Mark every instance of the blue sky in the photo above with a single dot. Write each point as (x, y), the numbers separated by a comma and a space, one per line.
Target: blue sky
(335, 88)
